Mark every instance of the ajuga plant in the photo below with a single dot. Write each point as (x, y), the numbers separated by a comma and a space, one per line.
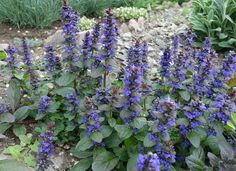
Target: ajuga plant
(174, 119)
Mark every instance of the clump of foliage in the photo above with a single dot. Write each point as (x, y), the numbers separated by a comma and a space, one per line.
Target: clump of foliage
(86, 23)
(145, 3)
(127, 13)
(174, 119)
(95, 8)
(215, 19)
(33, 13)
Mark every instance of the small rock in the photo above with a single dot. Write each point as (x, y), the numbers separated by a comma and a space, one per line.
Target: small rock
(134, 26)
(3, 46)
(55, 39)
(141, 22)
(124, 28)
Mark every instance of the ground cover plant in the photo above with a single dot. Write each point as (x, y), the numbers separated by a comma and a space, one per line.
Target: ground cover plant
(119, 115)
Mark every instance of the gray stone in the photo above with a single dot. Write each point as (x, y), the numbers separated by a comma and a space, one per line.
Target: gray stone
(57, 38)
(3, 46)
(124, 28)
(141, 22)
(134, 26)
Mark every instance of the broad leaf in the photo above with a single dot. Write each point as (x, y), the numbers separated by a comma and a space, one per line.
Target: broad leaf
(19, 130)
(13, 93)
(13, 165)
(105, 161)
(97, 137)
(7, 118)
(147, 142)
(64, 91)
(106, 131)
(123, 131)
(65, 79)
(22, 113)
(194, 138)
(139, 122)
(83, 164)
(84, 144)
(185, 95)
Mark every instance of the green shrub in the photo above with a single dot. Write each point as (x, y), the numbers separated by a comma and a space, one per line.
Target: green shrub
(144, 3)
(95, 8)
(33, 13)
(127, 13)
(86, 23)
(215, 19)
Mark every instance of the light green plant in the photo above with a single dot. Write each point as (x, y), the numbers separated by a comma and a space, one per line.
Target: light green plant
(127, 13)
(26, 150)
(86, 23)
(215, 19)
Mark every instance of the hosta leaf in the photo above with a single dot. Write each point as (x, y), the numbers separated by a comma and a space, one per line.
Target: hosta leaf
(105, 161)
(84, 144)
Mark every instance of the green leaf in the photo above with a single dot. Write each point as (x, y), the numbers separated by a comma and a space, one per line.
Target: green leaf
(64, 91)
(105, 161)
(30, 160)
(14, 151)
(4, 127)
(13, 93)
(82, 165)
(22, 113)
(121, 153)
(139, 122)
(214, 161)
(112, 122)
(53, 107)
(84, 144)
(195, 163)
(19, 130)
(7, 118)
(34, 147)
(3, 55)
(81, 154)
(213, 144)
(65, 79)
(185, 95)
(132, 162)
(25, 139)
(123, 131)
(113, 140)
(19, 75)
(12, 165)
(147, 142)
(194, 138)
(97, 137)
(106, 131)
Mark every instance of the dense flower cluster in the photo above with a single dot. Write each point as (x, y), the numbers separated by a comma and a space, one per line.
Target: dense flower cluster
(52, 62)
(27, 58)
(109, 36)
(92, 122)
(137, 55)
(44, 103)
(165, 63)
(11, 56)
(45, 149)
(193, 111)
(163, 114)
(229, 65)
(149, 162)
(165, 151)
(86, 48)
(70, 29)
(72, 102)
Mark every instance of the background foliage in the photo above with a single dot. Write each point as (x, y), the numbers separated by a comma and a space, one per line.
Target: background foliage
(215, 19)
